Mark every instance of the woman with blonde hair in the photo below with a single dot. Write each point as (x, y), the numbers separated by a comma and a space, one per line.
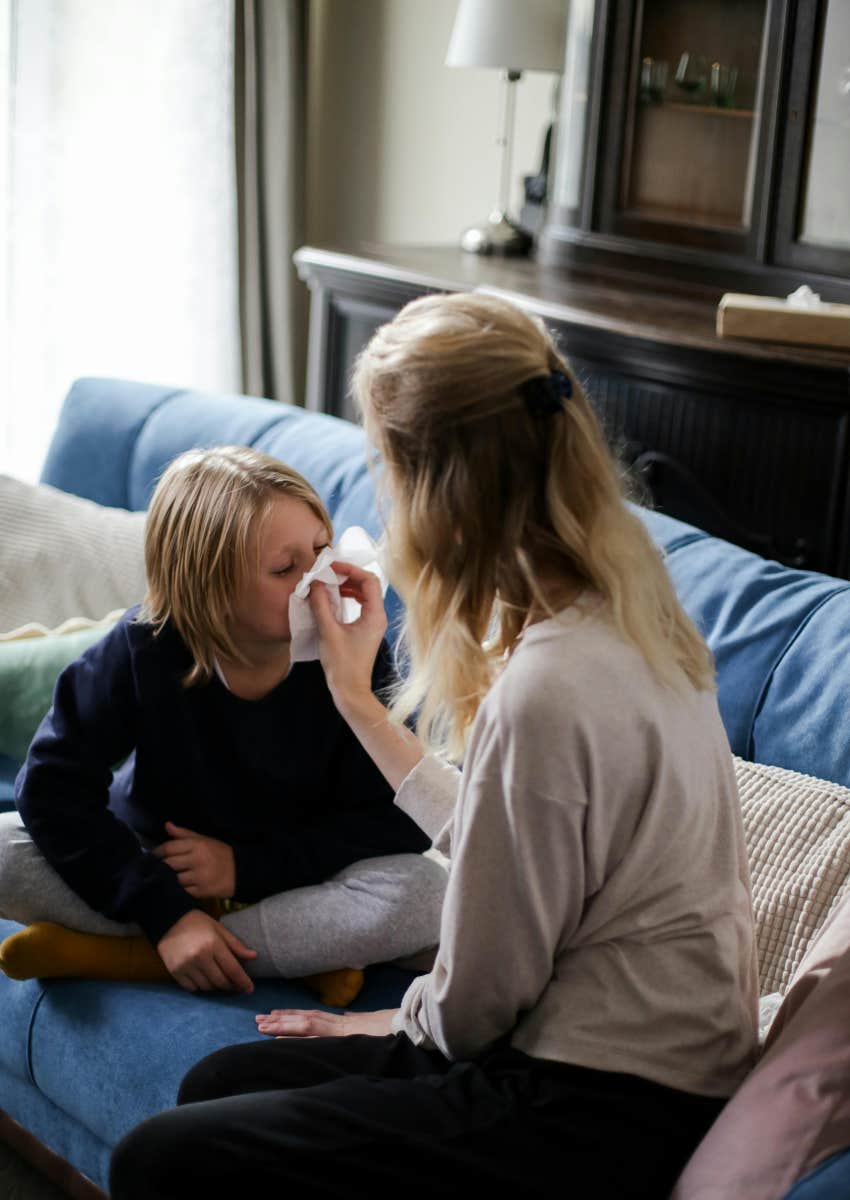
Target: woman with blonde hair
(592, 1002)
(244, 794)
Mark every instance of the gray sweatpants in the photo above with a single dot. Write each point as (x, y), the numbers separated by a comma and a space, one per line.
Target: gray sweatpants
(376, 910)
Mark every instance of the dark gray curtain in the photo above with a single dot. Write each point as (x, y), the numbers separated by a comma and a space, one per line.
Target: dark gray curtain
(270, 82)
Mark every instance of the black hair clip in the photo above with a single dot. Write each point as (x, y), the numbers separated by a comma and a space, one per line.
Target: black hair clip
(544, 394)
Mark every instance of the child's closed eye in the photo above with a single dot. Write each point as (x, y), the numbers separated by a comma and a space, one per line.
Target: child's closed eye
(284, 570)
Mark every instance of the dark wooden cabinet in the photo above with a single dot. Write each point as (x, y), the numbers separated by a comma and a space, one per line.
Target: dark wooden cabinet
(706, 140)
(747, 440)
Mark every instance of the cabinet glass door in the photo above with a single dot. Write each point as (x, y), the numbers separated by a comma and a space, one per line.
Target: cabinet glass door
(570, 157)
(812, 227)
(690, 142)
(825, 209)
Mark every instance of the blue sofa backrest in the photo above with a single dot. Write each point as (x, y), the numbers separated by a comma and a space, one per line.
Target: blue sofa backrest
(780, 636)
(781, 641)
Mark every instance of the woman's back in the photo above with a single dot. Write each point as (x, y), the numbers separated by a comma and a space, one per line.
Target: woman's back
(598, 819)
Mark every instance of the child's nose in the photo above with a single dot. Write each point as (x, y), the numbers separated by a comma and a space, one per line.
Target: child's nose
(309, 563)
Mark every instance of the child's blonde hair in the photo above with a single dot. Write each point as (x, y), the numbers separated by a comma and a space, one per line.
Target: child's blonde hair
(196, 542)
(487, 488)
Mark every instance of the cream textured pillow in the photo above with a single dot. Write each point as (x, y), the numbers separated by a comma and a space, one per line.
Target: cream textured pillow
(798, 840)
(62, 557)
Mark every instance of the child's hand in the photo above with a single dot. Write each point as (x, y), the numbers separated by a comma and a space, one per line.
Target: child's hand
(296, 1022)
(205, 866)
(203, 955)
(348, 652)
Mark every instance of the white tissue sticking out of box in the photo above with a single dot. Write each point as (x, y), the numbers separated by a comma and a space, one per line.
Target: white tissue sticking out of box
(354, 546)
(803, 297)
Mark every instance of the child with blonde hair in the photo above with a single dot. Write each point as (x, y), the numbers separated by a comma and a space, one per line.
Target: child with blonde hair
(241, 788)
(593, 999)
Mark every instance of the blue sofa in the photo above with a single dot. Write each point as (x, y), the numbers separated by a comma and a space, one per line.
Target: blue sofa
(82, 1062)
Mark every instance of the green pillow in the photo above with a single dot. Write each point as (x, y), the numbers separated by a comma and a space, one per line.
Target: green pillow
(29, 668)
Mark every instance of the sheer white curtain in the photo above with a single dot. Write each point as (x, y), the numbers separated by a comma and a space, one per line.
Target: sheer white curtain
(118, 206)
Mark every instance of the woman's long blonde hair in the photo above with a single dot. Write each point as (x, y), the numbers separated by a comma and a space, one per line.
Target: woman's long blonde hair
(490, 498)
(197, 538)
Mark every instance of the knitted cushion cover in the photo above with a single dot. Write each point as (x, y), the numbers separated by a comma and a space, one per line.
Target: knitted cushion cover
(797, 830)
(62, 556)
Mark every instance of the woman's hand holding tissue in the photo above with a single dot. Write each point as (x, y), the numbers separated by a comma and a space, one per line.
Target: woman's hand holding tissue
(347, 652)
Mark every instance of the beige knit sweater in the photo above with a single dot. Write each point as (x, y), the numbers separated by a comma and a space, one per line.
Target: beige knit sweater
(598, 903)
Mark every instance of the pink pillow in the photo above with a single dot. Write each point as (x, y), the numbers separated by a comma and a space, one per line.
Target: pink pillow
(793, 1111)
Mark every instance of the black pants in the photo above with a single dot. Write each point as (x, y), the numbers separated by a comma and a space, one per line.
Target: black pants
(376, 1116)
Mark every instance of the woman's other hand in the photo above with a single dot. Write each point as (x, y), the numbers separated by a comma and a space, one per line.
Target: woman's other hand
(205, 867)
(296, 1022)
(203, 956)
(347, 652)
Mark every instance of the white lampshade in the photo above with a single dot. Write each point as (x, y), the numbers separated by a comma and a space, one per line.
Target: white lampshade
(520, 35)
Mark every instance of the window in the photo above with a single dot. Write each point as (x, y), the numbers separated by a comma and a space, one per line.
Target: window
(118, 238)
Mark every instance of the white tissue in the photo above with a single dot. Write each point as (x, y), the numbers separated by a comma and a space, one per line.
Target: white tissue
(803, 297)
(354, 546)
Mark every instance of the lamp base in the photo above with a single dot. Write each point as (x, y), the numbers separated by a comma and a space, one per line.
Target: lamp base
(497, 235)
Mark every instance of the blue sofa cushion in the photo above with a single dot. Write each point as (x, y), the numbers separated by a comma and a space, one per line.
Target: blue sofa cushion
(803, 722)
(19, 1005)
(322, 449)
(829, 1181)
(750, 611)
(24, 1103)
(774, 632)
(95, 437)
(111, 1054)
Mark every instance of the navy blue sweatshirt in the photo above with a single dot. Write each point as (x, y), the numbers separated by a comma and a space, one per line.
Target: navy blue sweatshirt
(282, 780)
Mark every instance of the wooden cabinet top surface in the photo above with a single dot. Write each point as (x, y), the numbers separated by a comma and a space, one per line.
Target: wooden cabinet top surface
(636, 306)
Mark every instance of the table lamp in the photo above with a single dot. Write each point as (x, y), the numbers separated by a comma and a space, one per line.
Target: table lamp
(515, 36)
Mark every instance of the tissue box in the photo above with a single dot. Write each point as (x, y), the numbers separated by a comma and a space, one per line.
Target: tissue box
(770, 319)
